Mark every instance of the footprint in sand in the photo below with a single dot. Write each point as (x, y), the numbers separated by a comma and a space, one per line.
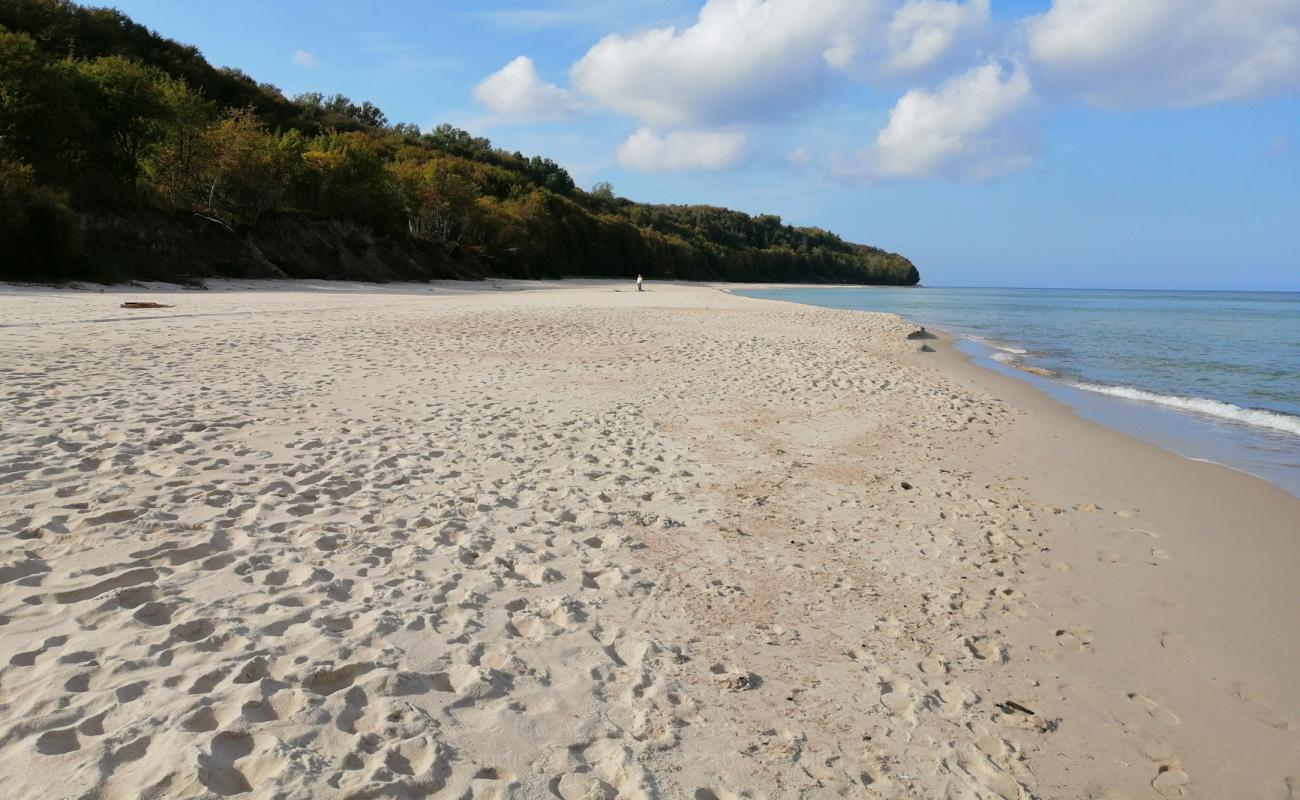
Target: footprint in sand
(1156, 710)
(200, 720)
(900, 699)
(207, 682)
(325, 681)
(955, 698)
(933, 667)
(130, 692)
(1077, 639)
(1171, 782)
(985, 649)
(606, 579)
(218, 770)
(28, 658)
(1176, 643)
(278, 706)
(714, 794)
(193, 630)
(1259, 710)
(1148, 534)
(576, 786)
(58, 742)
(79, 682)
(93, 726)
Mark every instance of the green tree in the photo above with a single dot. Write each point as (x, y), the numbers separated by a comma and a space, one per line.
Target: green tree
(177, 167)
(123, 108)
(99, 114)
(440, 202)
(40, 110)
(347, 178)
(40, 237)
(237, 183)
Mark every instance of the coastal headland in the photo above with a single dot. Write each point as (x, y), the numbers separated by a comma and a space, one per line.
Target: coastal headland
(514, 540)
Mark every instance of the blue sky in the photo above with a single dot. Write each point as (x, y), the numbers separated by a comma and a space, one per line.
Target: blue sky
(1078, 143)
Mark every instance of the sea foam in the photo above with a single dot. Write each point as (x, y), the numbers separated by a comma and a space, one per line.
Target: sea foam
(1256, 417)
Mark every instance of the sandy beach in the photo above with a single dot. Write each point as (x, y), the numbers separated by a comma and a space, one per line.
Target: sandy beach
(506, 540)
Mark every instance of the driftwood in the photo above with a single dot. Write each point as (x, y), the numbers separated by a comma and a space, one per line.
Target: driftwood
(134, 304)
(1009, 706)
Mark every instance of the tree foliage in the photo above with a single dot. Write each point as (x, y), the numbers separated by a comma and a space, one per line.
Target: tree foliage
(39, 235)
(97, 112)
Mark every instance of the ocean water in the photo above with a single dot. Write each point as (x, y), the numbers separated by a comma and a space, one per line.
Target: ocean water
(1208, 375)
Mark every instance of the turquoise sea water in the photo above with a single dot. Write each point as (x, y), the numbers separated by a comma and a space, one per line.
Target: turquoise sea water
(1209, 375)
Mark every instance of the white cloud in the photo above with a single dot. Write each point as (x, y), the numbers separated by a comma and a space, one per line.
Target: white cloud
(956, 130)
(742, 59)
(304, 59)
(923, 32)
(693, 87)
(646, 151)
(1128, 53)
(517, 90)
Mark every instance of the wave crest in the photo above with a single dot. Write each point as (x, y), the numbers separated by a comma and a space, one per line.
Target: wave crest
(1202, 405)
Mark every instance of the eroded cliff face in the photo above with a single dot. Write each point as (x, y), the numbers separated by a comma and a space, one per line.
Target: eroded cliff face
(143, 243)
(146, 244)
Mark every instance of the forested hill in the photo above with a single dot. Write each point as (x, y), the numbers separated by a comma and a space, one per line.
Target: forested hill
(126, 155)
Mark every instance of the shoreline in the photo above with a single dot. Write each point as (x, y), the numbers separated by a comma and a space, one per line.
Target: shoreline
(1058, 391)
(1020, 372)
(1121, 469)
(1241, 560)
(1189, 426)
(589, 542)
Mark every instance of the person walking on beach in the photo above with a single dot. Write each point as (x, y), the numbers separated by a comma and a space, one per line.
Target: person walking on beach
(638, 283)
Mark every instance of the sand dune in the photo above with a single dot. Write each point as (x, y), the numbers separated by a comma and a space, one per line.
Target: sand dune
(589, 543)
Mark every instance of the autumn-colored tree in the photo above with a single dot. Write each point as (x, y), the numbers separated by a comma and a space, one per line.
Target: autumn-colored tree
(237, 181)
(100, 116)
(347, 179)
(178, 168)
(440, 202)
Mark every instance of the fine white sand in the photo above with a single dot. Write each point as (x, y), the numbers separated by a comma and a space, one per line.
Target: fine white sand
(335, 540)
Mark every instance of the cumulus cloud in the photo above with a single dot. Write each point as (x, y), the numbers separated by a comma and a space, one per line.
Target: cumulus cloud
(1124, 53)
(304, 59)
(923, 32)
(748, 61)
(517, 90)
(957, 129)
(741, 60)
(646, 151)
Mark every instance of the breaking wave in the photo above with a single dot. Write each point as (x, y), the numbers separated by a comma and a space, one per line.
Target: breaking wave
(1256, 417)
